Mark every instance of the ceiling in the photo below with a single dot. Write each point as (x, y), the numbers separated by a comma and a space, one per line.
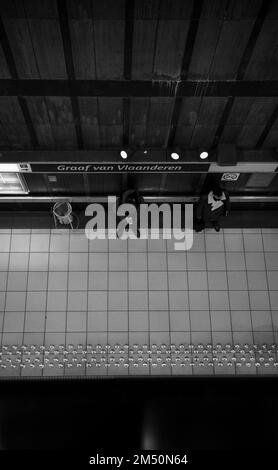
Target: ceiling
(103, 74)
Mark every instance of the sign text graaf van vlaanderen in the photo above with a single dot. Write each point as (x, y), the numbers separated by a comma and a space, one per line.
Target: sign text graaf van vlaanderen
(119, 167)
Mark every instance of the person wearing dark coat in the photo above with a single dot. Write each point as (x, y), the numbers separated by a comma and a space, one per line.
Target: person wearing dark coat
(132, 196)
(211, 207)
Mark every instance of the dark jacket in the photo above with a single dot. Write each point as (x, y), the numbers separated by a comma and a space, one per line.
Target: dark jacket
(204, 211)
(132, 194)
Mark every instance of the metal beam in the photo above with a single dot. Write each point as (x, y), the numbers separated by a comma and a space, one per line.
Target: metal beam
(129, 26)
(139, 88)
(223, 120)
(269, 124)
(13, 71)
(66, 38)
(188, 51)
(253, 39)
(245, 59)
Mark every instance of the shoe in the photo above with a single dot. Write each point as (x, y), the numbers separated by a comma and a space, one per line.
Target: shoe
(216, 226)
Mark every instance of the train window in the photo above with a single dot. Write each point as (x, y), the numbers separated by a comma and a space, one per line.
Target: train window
(12, 183)
(260, 180)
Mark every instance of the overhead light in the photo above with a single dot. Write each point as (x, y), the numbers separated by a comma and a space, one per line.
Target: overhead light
(204, 155)
(123, 154)
(145, 151)
(175, 156)
(9, 167)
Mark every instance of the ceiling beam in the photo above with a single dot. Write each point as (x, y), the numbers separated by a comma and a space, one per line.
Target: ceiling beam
(268, 126)
(13, 72)
(187, 55)
(66, 38)
(139, 88)
(252, 41)
(245, 59)
(129, 27)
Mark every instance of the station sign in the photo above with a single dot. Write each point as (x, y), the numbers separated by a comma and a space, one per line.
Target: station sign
(150, 167)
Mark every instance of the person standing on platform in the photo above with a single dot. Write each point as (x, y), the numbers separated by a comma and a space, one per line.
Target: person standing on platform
(211, 207)
(132, 196)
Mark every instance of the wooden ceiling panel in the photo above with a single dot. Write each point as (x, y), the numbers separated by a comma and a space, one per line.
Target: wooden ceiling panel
(273, 11)
(91, 137)
(249, 136)
(260, 111)
(18, 136)
(12, 9)
(48, 46)
(211, 110)
(109, 41)
(239, 111)
(4, 139)
(138, 118)
(178, 10)
(139, 109)
(230, 134)
(80, 9)
(64, 136)
(143, 49)
(97, 9)
(183, 135)
(45, 136)
(61, 122)
(109, 9)
(4, 71)
(163, 9)
(83, 50)
(231, 10)
(264, 60)
(18, 34)
(10, 111)
(230, 48)
(204, 49)
(271, 140)
(89, 122)
(146, 9)
(59, 110)
(157, 135)
(203, 136)
(40, 8)
(38, 110)
(189, 111)
(243, 9)
(13, 123)
(88, 111)
(110, 111)
(171, 36)
(137, 135)
(111, 136)
(160, 111)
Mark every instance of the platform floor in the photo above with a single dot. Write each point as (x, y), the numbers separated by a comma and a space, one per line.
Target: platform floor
(58, 288)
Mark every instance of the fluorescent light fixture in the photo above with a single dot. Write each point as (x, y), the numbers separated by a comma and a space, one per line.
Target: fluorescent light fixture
(123, 154)
(204, 155)
(9, 167)
(175, 156)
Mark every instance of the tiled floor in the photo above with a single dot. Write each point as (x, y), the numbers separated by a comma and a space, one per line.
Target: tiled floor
(58, 288)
